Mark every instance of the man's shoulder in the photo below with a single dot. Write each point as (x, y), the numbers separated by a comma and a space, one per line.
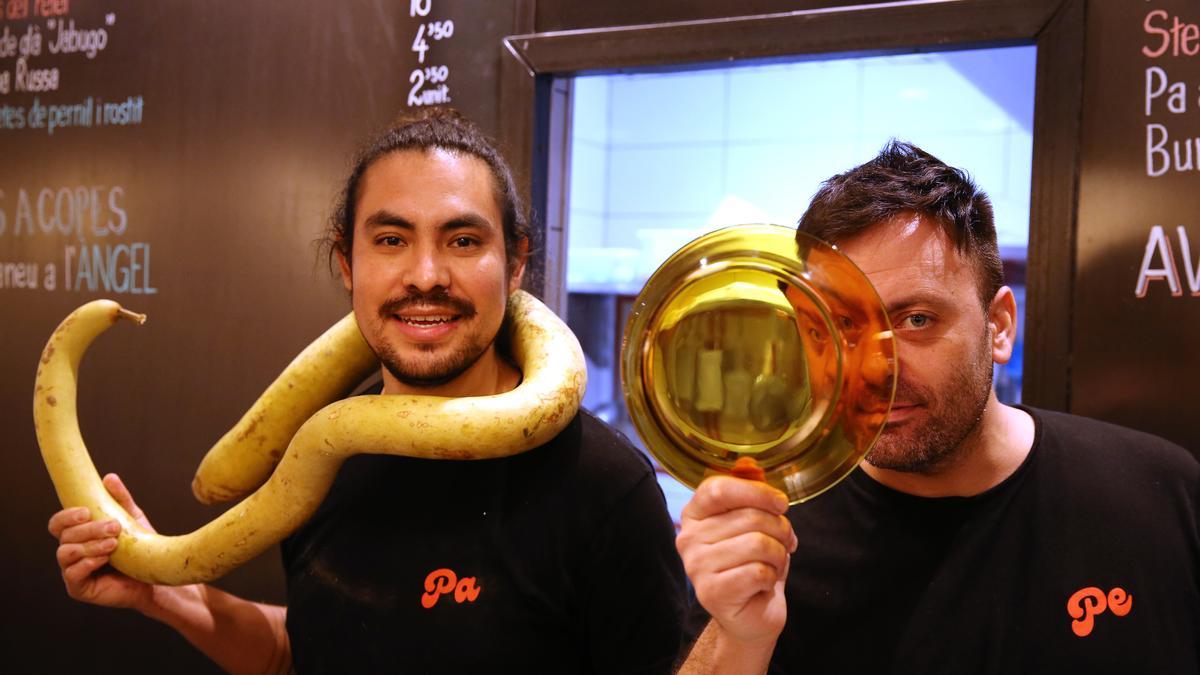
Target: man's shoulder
(605, 449)
(596, 473)
(1086, 439)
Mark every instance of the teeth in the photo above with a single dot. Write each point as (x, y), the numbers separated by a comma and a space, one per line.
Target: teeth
(426, 320)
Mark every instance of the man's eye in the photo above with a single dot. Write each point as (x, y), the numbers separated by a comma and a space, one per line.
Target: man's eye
(916, 320)
(391, 241)
(464, 242)
(850, 330)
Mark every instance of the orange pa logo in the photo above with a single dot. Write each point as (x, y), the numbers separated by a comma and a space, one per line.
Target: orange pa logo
(1088, 603)
(442, 581)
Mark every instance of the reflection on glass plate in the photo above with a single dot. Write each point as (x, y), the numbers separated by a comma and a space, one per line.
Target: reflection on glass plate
(755, 346)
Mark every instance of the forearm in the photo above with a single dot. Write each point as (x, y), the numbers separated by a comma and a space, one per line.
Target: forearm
(239, 635)
(716, 652)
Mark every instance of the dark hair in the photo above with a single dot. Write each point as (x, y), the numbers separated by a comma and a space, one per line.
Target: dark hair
(442, 128)
(905, 179)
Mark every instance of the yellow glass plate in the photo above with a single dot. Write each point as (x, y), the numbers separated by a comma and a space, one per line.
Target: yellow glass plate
(756, 351)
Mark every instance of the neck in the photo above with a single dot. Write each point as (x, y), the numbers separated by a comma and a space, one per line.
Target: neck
(489, 375)
(988, 455)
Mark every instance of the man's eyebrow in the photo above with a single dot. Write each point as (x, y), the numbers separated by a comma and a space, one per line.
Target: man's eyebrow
(385, 218)
(468, 220)
(918, 298)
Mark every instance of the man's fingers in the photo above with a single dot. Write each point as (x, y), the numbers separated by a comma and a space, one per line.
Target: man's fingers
(740, 521)
(719, 494)
(745, 549)
(735, 542)
(69, 554)
(116, 488)
(100, 529)
(736, 586)
(66, 518)
(76, 576)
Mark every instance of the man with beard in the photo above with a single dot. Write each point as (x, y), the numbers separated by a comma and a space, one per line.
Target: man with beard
(978, 537)
(555, 560)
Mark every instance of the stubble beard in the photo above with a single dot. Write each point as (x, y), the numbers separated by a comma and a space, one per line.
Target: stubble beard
(953, 415)
(428, 369)
(433, 370)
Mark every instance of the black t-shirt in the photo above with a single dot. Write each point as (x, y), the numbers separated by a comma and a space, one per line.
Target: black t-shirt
(1098, 520)
(558, 560)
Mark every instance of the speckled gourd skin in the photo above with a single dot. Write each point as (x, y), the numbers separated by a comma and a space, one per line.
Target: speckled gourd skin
(245, 456)
(416, 426)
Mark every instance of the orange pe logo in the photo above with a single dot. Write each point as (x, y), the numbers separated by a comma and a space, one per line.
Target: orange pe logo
(1088, 603)
(442, 581)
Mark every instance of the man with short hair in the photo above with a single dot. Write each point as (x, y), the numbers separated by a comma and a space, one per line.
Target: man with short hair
(979, 537)
(555, 560)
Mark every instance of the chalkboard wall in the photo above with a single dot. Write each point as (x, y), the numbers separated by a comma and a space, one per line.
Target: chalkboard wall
(1137, 294)
(183, 157)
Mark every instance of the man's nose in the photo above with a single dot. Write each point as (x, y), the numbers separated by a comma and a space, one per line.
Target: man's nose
(879, 360)
(426, 269)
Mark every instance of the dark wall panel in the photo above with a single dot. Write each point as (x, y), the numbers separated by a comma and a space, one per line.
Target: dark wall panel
(555, 15)
(1134, 356)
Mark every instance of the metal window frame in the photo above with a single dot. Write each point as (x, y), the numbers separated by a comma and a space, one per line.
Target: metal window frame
(535, 96)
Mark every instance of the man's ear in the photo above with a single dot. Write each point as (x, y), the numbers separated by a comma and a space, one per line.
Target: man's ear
(1002, 320)
(344, 264)
(518, 269)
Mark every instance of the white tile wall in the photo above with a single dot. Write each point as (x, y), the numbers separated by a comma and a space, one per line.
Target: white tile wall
(588, 230)
(781, 177)
(589, 177)
(910, 98)
(684, 179)
(660, 108)
(664, 150)
(590, 109)
(810, 100)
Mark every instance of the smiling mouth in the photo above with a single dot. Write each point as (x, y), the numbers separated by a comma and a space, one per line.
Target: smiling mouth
(427, 310)
(427, 321)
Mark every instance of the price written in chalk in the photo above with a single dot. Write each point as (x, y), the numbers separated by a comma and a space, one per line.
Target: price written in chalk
(434, 30)
(430, 83)
(433, 75)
